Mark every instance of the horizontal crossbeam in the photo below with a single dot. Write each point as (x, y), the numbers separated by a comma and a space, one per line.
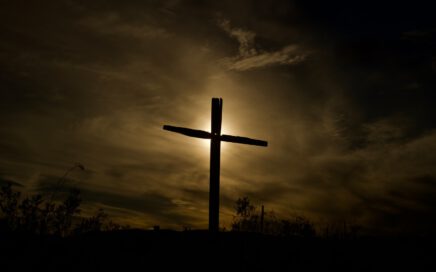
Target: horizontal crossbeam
(189, 132)
(207, 135)
(242, 140)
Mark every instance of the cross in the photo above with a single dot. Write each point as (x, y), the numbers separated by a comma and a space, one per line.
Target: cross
(215, 149)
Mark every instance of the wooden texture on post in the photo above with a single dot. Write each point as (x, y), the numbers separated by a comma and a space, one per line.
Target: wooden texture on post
(215, 148)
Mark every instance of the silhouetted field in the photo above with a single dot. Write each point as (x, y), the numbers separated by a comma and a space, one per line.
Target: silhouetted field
(132, 250)
(39, 235)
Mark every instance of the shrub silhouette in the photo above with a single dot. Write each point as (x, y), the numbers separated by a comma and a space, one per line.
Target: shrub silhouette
(9, 206)
(30, 213)
(299, 226)
(63, 214)
(36, 215)
(248, 219)
(93, 223)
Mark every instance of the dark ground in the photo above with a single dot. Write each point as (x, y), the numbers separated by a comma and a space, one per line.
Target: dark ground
(132, 250)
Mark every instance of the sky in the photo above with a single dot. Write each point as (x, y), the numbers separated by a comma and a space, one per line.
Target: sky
(343, 93)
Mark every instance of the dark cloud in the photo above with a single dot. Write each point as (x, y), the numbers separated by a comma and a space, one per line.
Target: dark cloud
(4, 182)
(387, 74)
(154, 207)
(250, 57)
(408, 207)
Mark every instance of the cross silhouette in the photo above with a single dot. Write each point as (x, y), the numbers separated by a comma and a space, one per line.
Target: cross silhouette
(215, 149)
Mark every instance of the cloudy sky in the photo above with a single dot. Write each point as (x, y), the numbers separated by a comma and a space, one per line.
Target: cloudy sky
(344, 94)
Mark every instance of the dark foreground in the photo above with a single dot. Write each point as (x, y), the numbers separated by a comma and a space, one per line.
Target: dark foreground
(134, 250)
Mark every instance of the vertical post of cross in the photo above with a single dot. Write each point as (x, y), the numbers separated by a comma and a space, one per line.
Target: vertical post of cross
(215, 147)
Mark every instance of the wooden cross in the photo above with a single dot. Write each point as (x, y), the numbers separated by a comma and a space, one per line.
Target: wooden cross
(215, 147)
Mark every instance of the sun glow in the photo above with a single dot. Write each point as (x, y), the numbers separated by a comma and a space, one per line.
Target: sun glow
(206, 126)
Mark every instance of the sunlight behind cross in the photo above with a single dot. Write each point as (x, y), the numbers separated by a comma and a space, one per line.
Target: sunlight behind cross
(216, 137)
